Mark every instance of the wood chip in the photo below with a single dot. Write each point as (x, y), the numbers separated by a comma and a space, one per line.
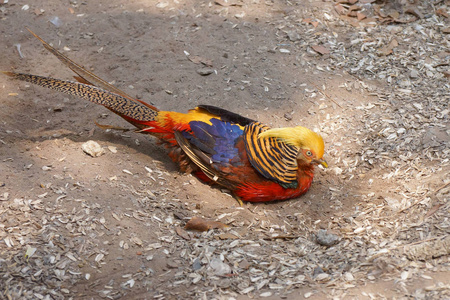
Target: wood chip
(429, 249)
(320, 49)
(200, 224)
(182, 233)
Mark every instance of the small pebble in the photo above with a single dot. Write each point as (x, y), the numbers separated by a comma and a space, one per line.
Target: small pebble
(197, 265)
(414, 74)
(326, 239)
(93, 149)
(205, 71)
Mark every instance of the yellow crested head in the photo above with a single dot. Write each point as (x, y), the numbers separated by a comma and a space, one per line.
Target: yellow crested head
(299, 136)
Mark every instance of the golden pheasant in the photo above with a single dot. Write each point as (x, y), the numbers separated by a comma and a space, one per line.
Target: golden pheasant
(256, 163)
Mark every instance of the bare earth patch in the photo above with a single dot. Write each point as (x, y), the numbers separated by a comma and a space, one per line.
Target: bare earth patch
(373, 79)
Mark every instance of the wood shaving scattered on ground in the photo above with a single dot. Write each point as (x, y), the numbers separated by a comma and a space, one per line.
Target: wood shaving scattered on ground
(112, 227)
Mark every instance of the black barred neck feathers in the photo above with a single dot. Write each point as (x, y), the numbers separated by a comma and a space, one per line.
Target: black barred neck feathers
(299, 136)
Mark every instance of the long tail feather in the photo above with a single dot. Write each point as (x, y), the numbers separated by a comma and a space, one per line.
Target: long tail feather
(134, 112)
(86, 76)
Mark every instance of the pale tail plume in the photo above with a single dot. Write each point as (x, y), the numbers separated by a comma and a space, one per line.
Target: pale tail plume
(123, 106)
(94, 89)
(84, 74)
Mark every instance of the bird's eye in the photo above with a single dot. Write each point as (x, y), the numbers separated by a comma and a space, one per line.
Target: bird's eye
(308, 153)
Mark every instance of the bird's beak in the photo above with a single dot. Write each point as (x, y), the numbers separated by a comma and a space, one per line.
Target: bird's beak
(321, 162)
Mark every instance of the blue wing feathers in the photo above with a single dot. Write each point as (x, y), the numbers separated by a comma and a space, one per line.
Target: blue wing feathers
(218, 140)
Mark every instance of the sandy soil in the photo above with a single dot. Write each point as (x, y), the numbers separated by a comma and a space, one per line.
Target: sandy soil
(140, 46)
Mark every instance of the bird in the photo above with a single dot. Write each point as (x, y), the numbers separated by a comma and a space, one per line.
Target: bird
(254, 162)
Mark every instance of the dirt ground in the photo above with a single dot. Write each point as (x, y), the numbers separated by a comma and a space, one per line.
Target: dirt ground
(77, 227)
